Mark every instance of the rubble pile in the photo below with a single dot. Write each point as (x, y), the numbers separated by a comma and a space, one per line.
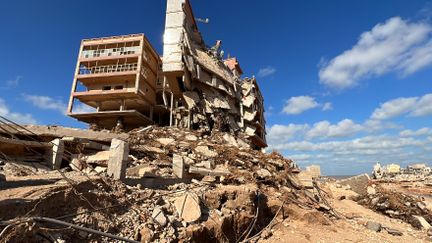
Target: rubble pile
(180, 185)
(397, 205)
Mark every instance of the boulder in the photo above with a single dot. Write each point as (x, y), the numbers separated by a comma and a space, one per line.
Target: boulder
(204, 150)
(419, 222)
(374, 226)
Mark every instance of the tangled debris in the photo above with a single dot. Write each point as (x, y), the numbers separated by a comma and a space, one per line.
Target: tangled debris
(224, 192)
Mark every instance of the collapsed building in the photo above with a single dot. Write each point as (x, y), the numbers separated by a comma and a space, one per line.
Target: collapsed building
(411, 172)
(127, 84)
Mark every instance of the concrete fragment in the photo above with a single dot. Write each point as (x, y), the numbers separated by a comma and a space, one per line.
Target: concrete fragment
(178, 166)
(357, 183)
(230, 139)
(100, 169)
(204, 150)
(76, 164)
(146, 235)
(57, 153)
(263, 173)
(211, 172)
(188, 207)
(374, 226)
(98, 158)
(191, 137)
(159, 217)
(370, 190)
(119, 155)
(242, 144)
(419, 222)
(142, 171)
(206, 164)
(165, 141)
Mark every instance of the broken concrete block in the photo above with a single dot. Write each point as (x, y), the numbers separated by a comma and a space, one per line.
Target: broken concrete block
(57, 153)
(420, 222)
(118, 159)
(159, 217)
(242, 144)
(165, 141)
(142, 171)
(100, 158)
(191, 137)
(204, 150)
(178, 166)
(357, 183)
(188, 207)
(230, 139)
(204, 171)
(100, 169)
(206, 164)
(76, 164)
(370, 190)
(263, 173)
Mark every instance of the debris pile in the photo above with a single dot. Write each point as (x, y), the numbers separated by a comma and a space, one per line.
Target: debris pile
(397, 205)
(178, 185)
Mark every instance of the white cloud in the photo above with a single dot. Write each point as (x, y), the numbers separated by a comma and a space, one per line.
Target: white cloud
(46, 103)
(327, 106)
(83, 108)
(267, 71)
(299, 104)
(15, 116)
(411, 106)
(394, 108)
(395, 45)
(420, 132)
(423, 106)
(282, 133)
(12, 83)
(324, 129)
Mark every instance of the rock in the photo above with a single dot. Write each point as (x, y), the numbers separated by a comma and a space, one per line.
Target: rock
(373, 226)
(419, 222)
(421, 205)
(178, 166)
(370, 190)
(146, 235)
(242, 144)
(165, 141)
(159, 217)
(98, 158)
(394, 232)
(204, 150)
(374, 201)
(100, 169)
(206, 164)
(188, 207)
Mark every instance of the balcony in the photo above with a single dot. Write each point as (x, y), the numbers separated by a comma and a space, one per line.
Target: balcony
(102, 69)
(118, 51)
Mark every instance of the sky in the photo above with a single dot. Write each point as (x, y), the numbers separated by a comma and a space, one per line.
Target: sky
(346, 83)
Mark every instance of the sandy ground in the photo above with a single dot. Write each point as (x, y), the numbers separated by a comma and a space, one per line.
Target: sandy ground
(304, 227)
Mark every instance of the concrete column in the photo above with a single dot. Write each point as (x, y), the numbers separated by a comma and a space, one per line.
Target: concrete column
(57, 153)
(171, 109)
(119, 152)
(178, 166)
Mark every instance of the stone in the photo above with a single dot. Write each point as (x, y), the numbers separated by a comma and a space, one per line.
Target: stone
(420, 222)
(100, 169)
(394, 232)
(159, 217)
(429, 232)
(421, 205)
(188, 207)
(142, 171)
(98, 158)
(206, 164)
(204, 150)
(118, 159)
(242, 144)
(374, 226)
(263, 173)
(165, 141)
(358, 183)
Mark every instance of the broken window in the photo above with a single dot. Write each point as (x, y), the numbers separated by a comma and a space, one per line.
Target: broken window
(118, 87)
(106, 88)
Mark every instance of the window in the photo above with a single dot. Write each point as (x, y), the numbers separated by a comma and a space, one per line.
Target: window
(118, 87)
(106, 88)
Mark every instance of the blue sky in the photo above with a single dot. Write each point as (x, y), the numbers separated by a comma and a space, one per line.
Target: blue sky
(346, 83)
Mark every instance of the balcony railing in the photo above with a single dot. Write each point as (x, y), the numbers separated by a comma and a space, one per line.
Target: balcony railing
(108, 68)
(119, 51)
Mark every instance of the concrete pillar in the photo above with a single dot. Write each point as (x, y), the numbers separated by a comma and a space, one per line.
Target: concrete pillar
(119, 153)
(57, 153)
(178, 166)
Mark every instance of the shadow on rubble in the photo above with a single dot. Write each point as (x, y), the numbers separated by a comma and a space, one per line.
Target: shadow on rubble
(154, 183)
(16, 184)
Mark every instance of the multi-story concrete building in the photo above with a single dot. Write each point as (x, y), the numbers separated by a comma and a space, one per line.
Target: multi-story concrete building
(191, 86)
